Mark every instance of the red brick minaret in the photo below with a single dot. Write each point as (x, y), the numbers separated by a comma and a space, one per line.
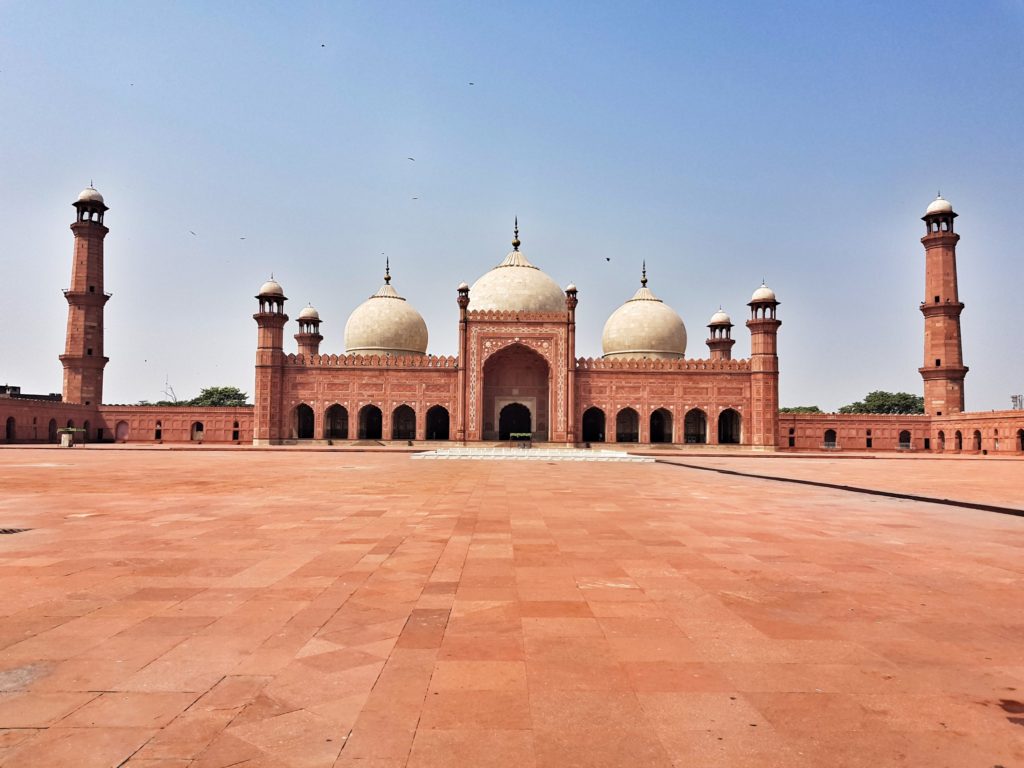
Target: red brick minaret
(943, 370)
(269, 359)
(83, 358)
(720, 338)
(764, 369)
(309, 337)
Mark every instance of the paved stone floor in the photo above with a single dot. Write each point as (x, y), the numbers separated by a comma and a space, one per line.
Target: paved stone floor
(242, 608)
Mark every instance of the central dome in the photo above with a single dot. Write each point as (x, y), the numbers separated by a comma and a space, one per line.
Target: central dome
(516, 285)
(385, 324)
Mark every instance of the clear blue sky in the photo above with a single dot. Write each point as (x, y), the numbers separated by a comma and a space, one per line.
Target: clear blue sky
(721, 142)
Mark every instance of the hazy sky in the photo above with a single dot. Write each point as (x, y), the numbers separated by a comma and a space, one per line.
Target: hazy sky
(721, 142)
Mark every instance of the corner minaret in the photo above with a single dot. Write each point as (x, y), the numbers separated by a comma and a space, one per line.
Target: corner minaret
(720, 338)
(83, 358)
(271, 320)
(309, 337)
(943, 370)
(764, 369)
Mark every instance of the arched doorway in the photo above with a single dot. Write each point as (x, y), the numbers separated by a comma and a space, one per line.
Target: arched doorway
(303, 424)
(695, 427)
(830, 438)
(197, 431)
(942, 440)
(977, 439)
(370, 421)
(51, 431)
(403, 423)
(514, 419)
(438, 422)
(905, 439)
(1020, 440)
(516, 374)
(11, 429)
(121, 432)
(86, 432)
(729, 427)
(958, 440)
(336, 422)
(158, 432)
(593, 425)
(235, 431)
(661, 426)
(627, 426)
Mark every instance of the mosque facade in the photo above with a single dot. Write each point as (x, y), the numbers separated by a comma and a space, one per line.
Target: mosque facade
(515, 375)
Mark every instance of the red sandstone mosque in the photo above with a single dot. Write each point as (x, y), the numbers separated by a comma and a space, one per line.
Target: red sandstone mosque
(515, 373)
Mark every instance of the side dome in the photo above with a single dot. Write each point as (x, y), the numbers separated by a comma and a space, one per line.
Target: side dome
(385, 324)
(516, 285)
(644, 327)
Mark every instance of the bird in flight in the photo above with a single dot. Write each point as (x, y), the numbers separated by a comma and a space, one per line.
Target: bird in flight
(472, 83)
(607, 258)
(192, 233)
(415, 198)
(241, 238)
(411, 158)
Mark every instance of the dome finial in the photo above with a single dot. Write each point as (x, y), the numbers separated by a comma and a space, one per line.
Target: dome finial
(387, 270)
(643, 274)
(515, 236)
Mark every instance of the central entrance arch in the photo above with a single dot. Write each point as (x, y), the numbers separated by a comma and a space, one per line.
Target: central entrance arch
(516, 375)
(514, 418)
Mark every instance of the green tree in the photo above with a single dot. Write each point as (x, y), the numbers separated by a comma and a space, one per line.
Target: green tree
(220, 396)
(800, 409)
(886, 402)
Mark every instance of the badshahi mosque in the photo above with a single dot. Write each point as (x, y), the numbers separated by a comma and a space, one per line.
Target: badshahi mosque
(515, 375)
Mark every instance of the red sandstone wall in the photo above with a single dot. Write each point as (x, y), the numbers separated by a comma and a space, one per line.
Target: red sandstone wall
(331, 380)
(139, 423)
(32, 420)
(677, 386)
(991, 432)
(806, 432)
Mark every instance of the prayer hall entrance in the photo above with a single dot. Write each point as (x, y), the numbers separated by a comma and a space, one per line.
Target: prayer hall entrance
(516, 394)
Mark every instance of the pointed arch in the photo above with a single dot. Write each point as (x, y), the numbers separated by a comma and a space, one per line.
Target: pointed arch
(403, 423)
(627, 426)
(336, 422)
(302, 422)
(438, 423)
(661, 426)
(593, 425)
(730, 427)
(371, 422)
(695, 426)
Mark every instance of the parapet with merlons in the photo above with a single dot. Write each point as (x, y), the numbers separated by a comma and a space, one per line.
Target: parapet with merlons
(512, 315)
(645, 364)
(372, 361)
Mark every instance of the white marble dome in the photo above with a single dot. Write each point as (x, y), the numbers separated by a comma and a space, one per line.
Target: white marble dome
(90, 195)
(764, 293)
(644, 327)
(720, 318)
(385, 324)
(309, 313)
(516, 285)
(271, 288)
(939, 205)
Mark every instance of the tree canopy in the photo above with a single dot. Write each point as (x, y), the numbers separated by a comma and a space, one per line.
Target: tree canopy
(208, 397)
(800, 409)
(220, 396)
(886, 402)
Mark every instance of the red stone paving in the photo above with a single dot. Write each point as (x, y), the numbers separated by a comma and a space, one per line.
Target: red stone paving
(214, 609)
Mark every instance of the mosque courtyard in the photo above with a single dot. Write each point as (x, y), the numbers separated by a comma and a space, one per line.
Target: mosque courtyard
(286, 608)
